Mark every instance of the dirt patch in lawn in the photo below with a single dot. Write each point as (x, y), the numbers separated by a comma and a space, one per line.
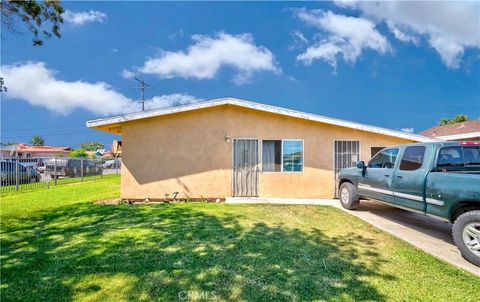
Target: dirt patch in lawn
(108, 202)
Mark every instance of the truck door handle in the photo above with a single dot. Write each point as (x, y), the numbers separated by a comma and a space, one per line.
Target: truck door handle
(399, 176)
(387, 175)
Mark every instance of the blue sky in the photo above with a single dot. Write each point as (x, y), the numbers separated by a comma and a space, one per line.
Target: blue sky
(401, 68)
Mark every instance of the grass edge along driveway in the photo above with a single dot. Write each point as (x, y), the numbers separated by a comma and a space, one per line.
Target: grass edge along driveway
(58, 246)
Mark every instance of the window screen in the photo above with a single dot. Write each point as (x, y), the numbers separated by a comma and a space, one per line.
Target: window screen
(271, 155)
(292, 155)
(412, 158)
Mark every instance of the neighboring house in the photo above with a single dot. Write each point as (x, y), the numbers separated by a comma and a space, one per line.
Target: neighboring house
(25, 151)
(230, 147)
(469, 130)
(7, 151)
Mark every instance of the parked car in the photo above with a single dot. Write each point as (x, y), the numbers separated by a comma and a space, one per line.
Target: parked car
(9, 172)
(71, 167)
(440, 179)
(112, 164)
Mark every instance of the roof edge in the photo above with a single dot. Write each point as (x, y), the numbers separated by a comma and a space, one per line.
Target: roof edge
(260, 107)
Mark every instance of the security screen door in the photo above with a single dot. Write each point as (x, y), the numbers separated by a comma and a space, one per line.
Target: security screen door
(345, 154)
(245, 167)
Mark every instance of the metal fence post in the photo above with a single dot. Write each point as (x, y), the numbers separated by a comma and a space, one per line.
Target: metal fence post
(17, 187)
(55, 176)
(81, 168)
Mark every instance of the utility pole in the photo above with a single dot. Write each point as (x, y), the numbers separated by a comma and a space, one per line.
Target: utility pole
(142, 87)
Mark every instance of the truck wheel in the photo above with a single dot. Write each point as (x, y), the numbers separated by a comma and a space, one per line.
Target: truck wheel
(349, 198)
(466, 234)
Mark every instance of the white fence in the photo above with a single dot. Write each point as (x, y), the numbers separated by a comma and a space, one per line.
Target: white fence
(19, 174)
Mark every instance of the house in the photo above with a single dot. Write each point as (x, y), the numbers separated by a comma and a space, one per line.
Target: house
(7, 151)
(25, 151)
(230, 147)
(468, 130)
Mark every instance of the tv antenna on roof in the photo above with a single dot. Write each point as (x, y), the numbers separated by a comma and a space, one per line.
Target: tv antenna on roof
(142, 87)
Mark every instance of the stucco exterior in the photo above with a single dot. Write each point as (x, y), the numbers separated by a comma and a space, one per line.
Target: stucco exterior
(188, 153)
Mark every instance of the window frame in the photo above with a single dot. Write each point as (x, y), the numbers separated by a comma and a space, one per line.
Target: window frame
(282, 140)
(403, 154)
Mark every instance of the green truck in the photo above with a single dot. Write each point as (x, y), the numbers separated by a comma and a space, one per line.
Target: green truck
(438, 179)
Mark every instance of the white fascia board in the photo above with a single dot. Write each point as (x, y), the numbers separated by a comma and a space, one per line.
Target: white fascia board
(260, 107)
(459, 136)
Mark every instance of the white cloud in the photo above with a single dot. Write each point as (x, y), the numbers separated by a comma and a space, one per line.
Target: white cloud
(34, 83)
(207, 55)
(402, 35)
(80, 18)
(409, 129)
(449, 26)
(346, 36)
(127, 74)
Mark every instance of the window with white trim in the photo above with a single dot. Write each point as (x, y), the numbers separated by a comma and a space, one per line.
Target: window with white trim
(272, 156)
(292, 155)
(282, 155)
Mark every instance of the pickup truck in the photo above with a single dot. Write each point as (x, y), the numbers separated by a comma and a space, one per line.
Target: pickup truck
(438, 179)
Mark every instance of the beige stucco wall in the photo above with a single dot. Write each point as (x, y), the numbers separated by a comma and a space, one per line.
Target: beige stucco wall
(187, 153)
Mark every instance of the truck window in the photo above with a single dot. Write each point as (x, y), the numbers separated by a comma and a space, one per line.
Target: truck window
(412, 158)
(450, 157)
(472, 156)
(384, 159)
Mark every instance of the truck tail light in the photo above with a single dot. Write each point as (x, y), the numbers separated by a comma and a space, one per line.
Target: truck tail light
(470, 143)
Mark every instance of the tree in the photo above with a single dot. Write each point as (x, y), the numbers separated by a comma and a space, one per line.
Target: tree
(92, 146)
(34, 16)
(37, 140)
(78, 153)
(450, 121)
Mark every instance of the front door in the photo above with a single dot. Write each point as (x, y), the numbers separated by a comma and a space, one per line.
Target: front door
(346, 154)
(409, 180)
(245, 167)
(378, 178)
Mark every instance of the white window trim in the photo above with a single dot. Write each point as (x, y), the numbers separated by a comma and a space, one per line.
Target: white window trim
(281, 155)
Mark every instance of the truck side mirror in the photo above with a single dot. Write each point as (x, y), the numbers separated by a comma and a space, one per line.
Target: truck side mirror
(361, 165)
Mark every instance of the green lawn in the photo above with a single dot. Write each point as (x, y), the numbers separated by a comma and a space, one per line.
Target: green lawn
(57, 245)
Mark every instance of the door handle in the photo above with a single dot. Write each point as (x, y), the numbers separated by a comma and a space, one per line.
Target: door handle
(399, 176)
(387, 175)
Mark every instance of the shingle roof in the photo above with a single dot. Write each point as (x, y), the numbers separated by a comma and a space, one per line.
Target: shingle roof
(456, 131)
(260, 107)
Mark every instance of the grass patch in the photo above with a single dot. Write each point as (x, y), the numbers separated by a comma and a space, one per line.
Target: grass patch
(58, 246)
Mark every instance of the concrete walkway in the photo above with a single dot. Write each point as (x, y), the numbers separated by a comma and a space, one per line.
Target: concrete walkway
(253, 200)
(428, 234)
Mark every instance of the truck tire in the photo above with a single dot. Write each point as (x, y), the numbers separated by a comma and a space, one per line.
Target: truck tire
(349, 198)
(466, 235)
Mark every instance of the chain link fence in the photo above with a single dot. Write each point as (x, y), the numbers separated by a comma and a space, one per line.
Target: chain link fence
(18, 174)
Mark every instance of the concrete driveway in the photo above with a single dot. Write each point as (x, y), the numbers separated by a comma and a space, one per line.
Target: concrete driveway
(429, 234)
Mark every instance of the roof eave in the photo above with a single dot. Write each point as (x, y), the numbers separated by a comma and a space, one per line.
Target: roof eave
(257, 106)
